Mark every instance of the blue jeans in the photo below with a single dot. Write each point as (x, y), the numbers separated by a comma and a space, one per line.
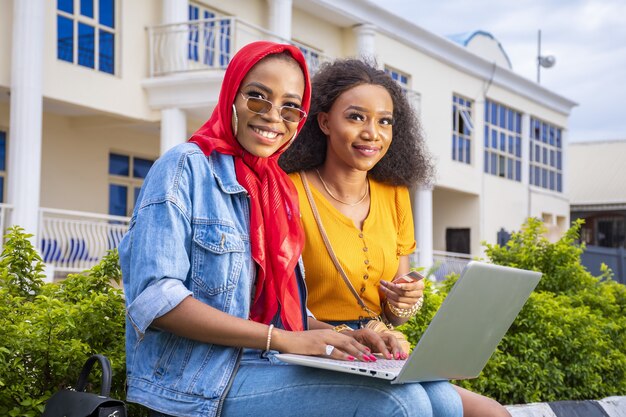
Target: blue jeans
(268, 387)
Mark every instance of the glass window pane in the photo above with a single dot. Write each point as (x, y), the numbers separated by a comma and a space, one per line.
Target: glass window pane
(558, 159)
(1, 189)
(494, 113)
(518, 147)
(501, 166)
(494, 139)
(118, 165)
(86, 8)
(509, 168)
(86, 45)
(117, 199)
(487, 111)
(502, 141)
(486, 164)
(518, 171)
(518, 124)
(66, 5)
(486, 136)
(454, 147)
(137, 191)
(3, 151)
(494, 163)
(106, 58)
(65, 39)
(193, 12)
(106, 11)
(559, 182)
(141, 167)
(502, 116)
(552, 185)
(467, 151)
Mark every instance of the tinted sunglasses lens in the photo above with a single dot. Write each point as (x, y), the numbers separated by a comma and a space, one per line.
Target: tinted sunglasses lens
(291, 114)
(258, 105)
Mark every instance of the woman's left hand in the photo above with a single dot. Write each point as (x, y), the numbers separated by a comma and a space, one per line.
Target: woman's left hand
(402, 294)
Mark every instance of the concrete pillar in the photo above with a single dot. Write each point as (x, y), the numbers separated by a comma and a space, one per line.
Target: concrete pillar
(173, 128)
(175, 57)
(365, 41)
(422, 202)
(25, 131)
(279, 18)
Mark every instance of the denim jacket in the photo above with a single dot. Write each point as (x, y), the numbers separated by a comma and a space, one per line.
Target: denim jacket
(188, 236)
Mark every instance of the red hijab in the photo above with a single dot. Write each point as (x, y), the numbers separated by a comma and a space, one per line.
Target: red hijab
(276, 235)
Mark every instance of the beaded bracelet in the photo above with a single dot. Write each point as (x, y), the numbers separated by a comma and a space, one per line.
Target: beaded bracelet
(269, 338)
(406, 312)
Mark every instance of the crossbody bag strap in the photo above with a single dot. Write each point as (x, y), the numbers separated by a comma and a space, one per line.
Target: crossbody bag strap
(329, 248)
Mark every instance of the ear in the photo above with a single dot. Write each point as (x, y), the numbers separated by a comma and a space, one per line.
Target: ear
(322, 121)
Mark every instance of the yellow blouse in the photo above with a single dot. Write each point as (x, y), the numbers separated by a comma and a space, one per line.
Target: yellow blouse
(367, 255)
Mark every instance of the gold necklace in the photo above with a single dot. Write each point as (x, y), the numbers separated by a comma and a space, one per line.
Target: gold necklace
(367, 191)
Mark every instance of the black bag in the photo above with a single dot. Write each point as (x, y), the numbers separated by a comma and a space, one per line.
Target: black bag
(78, 403)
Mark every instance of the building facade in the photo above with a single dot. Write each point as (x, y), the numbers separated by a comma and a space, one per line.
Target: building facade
(95, 90)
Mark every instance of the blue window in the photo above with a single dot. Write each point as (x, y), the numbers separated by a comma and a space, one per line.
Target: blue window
(126, 175)
(86, 33)
(462, 128)
(546, 155)
(399, 77)
(208, 39)
(503, 152)
(3, 163)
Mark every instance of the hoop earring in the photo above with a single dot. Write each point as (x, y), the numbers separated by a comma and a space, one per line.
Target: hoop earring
(235, 120)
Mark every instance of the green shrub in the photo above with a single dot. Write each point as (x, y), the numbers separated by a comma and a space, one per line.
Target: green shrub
(569, 340)
(50, 329)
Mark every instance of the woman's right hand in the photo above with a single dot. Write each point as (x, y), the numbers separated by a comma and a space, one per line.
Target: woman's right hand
(315, 342)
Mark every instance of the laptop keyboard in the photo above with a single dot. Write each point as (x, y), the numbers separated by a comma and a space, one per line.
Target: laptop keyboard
(379, 365)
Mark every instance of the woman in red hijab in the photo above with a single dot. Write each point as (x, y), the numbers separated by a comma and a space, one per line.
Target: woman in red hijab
(211, 268)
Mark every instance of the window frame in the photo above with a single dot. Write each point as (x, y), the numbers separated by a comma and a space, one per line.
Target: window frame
(94, 22)
(546, 140)
(129, 181)
(462, 112)
(508, 161)
(218, 34)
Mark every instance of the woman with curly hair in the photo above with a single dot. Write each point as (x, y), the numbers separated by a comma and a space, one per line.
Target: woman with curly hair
(352, 165)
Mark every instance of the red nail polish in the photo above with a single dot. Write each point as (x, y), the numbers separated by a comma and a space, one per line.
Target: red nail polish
(351, 358)
(365, 358)
(373, 358)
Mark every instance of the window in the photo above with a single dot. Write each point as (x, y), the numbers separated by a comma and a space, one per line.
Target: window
(503, 141)
(462, 127)
(209, 39)
(3, 164)
(400, 77)
(610, 231)
(86, 33)
(546, 156)
(458, 240)
(126, 175)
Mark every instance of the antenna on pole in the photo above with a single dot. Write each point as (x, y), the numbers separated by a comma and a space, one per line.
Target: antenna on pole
(546, 61)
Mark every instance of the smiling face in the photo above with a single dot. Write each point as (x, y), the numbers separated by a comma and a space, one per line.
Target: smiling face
(358, 127)
(280, 81)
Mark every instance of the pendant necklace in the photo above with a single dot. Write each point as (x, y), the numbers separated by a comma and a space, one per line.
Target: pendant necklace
(367, 191)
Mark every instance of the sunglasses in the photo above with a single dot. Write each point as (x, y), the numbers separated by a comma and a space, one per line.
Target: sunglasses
(261, 106)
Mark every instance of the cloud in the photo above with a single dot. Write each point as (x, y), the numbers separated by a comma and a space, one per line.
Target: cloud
(587, 37)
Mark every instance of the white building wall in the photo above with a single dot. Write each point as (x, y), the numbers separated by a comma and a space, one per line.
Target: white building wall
(6, 26)
(333, 40)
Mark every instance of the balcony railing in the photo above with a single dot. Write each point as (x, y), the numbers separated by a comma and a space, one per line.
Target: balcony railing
(446, 263)
(209, 44)
(73, 241)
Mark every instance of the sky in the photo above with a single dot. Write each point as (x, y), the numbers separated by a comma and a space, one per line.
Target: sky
(587, 38)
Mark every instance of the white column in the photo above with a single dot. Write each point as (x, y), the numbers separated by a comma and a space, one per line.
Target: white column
(174, 11)
(423, 222)
(365, 40)
(25, 134)
(173, 128)
(279, 18)
(175, 56)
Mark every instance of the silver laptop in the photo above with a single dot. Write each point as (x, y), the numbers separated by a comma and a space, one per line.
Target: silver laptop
(461, 337)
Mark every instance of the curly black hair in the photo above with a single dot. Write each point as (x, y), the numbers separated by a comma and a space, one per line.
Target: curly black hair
(407, 162)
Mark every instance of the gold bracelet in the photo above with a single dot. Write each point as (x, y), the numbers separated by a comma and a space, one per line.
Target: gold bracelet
(269, 338)
(342, 327)
(406, 312)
